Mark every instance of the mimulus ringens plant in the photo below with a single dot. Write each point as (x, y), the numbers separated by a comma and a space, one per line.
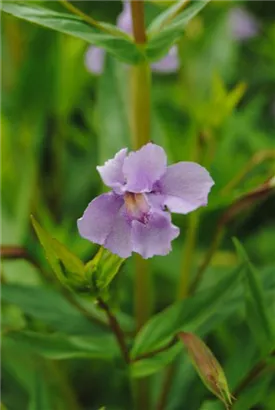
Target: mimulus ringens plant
(95, 55)
(134, 216)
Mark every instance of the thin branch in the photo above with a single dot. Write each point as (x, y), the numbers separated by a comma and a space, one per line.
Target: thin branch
(89, 316)
(242, 203)
(115, 327)
(84, 17)
(257, 159)
(254, 373)
(14, 252)
(169, 375)
(154, 352)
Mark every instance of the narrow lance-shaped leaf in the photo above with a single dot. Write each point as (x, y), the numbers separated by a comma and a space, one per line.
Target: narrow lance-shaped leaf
(50, 307)
(258, 316)
(67, 267)
(162, 38)
(190, 314)
(59, 347)
(207, 367)
(113, 129)
(111, 39)
(166, 17)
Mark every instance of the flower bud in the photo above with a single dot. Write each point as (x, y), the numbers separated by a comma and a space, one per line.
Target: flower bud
(207, 366)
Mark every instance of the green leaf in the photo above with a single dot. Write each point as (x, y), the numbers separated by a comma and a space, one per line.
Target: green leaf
(146, 367)
(164, 18)
(115, 42)
(69, 270)
(161, 39)
(256, 393)
(40, 395)
(212, 405)
(113, 129)
(189, 315)
(258, 317)
(25, 368)
(58, 347)
(103, 268)
(51, 308)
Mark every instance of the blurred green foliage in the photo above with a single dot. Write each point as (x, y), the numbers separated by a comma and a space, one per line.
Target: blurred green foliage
(59, 122)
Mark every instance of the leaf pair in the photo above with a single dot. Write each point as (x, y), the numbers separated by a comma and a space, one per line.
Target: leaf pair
(163, 32)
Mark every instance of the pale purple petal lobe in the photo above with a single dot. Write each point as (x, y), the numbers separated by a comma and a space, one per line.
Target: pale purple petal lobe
(186, 186)
(111, 172)
(144, 167)
(154, 237)
(94, 59)
(124, 21)
(169, 63)
(98, 218)
(243, 25)
(119, 239)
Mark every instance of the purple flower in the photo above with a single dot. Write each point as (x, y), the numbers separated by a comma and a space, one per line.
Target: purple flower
(134, 216)
(95, 59)
(169, 63)
(95, 56)
(242, 24)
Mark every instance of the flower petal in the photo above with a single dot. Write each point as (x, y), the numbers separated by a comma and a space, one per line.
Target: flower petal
(154, 238)
(94, 59)
(169, 63)
(119, 239)
(156, 201)
(124, 20)
(144, 167)
(98, 218)
(242, 24)
(186, 186)
(111, 172)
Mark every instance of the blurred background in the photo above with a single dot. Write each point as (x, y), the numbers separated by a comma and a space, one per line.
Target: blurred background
(60, 119)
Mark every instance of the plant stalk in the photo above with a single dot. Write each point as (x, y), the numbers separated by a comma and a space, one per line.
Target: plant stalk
(116, 329)
(88, 19)
(140, 129)
(140, 104)
(188, 254)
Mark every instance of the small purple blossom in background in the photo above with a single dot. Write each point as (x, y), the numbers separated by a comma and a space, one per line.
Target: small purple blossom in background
(95, 56)
(169, 63)
(243, 25)
(134, 216)
(94, 59)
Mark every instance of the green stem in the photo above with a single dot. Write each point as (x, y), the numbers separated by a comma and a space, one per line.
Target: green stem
(137, 11)
(257, 159)
(140, 104)
(65, 389)
(143, 301)
(218, 236)
(188, 253)
(83, 16)
(168, 379)
(116, 329)
(140, 128)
